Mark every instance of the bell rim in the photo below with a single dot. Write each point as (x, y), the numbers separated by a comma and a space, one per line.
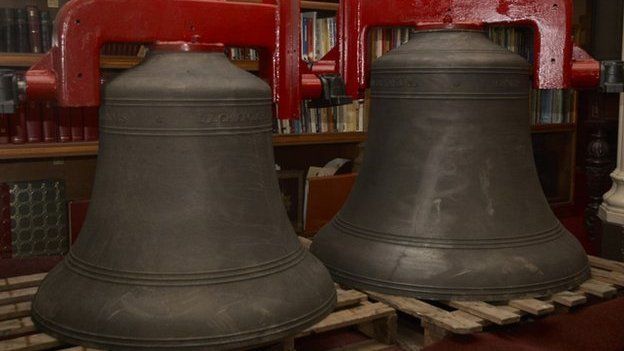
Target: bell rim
(248, 338)
(421, 292)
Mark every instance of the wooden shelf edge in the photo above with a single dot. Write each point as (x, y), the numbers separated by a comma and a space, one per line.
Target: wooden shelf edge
(319, 5)
(74, 149)
(320, 138)
(107, 62)
(553, 128)
(45, 150)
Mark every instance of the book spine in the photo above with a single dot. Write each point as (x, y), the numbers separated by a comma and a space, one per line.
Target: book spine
(21, 28)
(33, 122)
(46, 31)
(49, 122)
(4, 128)
(91, 131)
(77, 124)
(8, 30)
(64, 124)
(17, 125)
(34, 29)
(304, 38)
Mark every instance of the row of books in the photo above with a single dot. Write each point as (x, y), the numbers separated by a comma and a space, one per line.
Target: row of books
(337, 119)
(552, 106)
(383, 40)
(546, 106)
(36, 122)
(25, 30)
(123, 49)
(516, 40)
(318, 35)
(243, 54)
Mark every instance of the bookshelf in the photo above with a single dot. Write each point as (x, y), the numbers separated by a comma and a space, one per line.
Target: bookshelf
(24, 60)
(73, 149)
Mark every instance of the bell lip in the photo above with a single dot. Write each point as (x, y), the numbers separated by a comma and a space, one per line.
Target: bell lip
(451, 27)
(268, 335)
(184, 46)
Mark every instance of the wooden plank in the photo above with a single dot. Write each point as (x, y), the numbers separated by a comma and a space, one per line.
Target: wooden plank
(423, 310)
(514, 310)
(37, 342)
(13, 311)
(487, 311)
(533, 306)
(14, 296)
(608, 277)
(596, 288)
(569, 298)
(471, 317)
(20, 282)
(383, 330)
(352, 316)
(349, 298)
(320, 138)
(305, 242)
(609, 265)
(319, 5)
(16, 327)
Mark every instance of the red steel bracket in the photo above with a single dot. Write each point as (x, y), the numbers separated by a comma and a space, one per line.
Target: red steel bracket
(550, 20)
(70, 72)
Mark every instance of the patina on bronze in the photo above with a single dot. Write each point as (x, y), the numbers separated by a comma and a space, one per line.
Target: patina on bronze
(448, 204)
(186, 244)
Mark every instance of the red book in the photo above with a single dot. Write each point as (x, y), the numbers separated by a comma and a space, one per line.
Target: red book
(33, 122)
(4, 128)
(90, 116)
(77, 214)
(17, 125)
(77, 124)
(49, 122)
(64, 124)
(6, 242)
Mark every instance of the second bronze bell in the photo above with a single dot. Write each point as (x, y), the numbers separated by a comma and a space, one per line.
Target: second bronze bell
(448, 204)
(186, 245)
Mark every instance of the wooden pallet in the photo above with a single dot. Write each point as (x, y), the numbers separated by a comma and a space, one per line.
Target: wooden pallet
(466, 317)
(17, 332)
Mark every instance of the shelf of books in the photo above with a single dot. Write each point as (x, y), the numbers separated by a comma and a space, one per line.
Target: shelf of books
(90, 148)
(106, 61)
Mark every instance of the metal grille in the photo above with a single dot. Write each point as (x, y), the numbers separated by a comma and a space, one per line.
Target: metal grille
(38, 218)
(5, 221)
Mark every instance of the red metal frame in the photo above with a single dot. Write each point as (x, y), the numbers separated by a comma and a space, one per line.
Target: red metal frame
(551, 21)
(70, 72)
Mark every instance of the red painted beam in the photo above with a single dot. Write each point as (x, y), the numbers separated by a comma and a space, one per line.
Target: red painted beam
(550, 20)
(70, 72)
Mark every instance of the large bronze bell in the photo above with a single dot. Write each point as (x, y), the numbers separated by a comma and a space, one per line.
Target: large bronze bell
(448, 204)
(186, 243)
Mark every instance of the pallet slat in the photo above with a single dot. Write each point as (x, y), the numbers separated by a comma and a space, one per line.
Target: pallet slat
(37, 342)
(26, 281)
(434, 315)
(347, 298)
(596, 288)
(608, 277)
(606, 264)
(569, 298)
(533, 306)
(343, 318)
(16, 327)
(19, 295)
(487, 311)
(15, 310)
